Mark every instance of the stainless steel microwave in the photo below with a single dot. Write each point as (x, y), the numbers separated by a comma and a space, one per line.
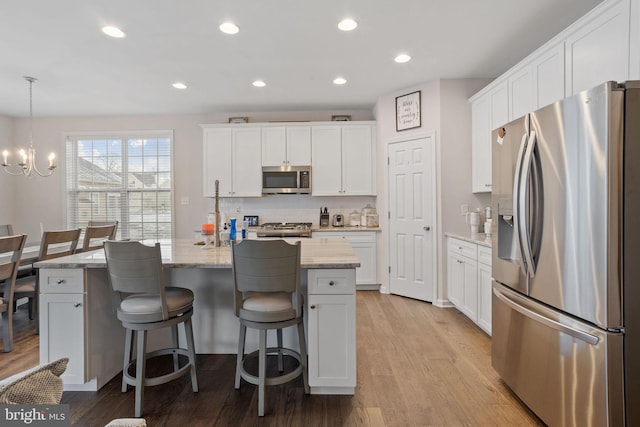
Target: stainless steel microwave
(286, 180)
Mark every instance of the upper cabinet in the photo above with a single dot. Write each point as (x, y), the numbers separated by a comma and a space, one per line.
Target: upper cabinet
(232, 155)
(341, 155)
(343, 160)
(286, 146)
(486, 114)
(599, 47)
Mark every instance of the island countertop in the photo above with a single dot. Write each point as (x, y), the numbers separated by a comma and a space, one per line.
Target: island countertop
(183, 253)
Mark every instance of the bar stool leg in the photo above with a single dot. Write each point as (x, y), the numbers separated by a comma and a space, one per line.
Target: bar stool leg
(128, 349)
(140, 370)
(175, 344)
(243, 333)
(303, 356)
(188, 331)
(280, 359)
(262, 371)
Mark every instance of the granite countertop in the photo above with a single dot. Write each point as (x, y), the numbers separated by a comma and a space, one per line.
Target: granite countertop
(182, 253)
(317, 229)
(478, 238)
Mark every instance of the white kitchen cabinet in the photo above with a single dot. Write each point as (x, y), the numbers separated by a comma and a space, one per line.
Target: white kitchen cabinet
(364, 244)
(232, 155)
(548, 76)
(89, 344)
(331, 333)
(484, 288)
(286, 146)
(603, 45)
(463, 277)
(489, 112)
(598, 49)
(343, 160)
(469, 280)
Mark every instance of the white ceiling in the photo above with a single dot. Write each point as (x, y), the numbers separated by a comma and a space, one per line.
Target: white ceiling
(293, 45)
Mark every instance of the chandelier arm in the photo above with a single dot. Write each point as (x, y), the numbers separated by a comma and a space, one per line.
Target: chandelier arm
(6, 169)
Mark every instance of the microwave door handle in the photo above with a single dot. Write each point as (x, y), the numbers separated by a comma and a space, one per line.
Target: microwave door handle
(523, 209)
(516, 198)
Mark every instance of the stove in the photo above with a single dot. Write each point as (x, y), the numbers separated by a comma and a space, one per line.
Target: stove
(285, 229)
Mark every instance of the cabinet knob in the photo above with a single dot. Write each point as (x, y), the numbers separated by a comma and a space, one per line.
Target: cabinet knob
(487, 185)
(76, 305)
(60, 281)
(312, 306)
(426, 228)
(331, 283)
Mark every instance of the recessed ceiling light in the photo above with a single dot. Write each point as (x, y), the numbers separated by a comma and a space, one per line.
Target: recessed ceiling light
(339, 81)
(259, 83)
(179, 85)
(347, 24)
(113, 32)
(229, 28)
(402, 58)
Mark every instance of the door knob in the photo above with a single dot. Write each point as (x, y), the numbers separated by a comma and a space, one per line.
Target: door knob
(426, 228)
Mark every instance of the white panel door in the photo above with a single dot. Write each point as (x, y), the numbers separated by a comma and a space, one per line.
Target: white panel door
(217, 161)
(548, 71)
(412, 218)
(247, 161)
(274, 146)
(299, 146)
(521, 93)
(357, 161)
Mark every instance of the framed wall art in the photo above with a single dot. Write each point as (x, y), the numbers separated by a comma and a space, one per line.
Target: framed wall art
(408, 111)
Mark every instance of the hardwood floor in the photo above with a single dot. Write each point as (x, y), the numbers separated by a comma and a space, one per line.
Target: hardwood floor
(418, 365)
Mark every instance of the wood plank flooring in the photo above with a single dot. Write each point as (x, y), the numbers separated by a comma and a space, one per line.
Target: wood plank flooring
(418, 365)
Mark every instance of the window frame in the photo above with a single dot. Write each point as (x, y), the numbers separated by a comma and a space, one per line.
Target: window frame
(73, 137)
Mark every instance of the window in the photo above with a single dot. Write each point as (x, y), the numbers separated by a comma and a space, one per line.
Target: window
(121, 176)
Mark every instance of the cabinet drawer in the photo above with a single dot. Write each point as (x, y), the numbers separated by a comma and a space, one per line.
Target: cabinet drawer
(470, 250)
(484, 255)
(61, 280)
(332, 282)
(352, 237)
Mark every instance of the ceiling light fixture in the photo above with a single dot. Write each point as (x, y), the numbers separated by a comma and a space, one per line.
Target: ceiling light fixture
(339, 81)
(27, 162)
(229, 28)
(259, 83)
(347, 24)
(179, 85)
(402, 58)
(114, 32)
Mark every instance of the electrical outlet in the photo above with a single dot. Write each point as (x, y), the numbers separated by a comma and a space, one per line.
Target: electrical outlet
(464, 209)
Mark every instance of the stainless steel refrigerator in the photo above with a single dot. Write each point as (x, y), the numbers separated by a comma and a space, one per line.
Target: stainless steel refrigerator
(566, 258)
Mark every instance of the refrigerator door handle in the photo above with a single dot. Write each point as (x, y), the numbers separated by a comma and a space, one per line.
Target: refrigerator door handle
(583, 336)
(516, 197)
(523, 206)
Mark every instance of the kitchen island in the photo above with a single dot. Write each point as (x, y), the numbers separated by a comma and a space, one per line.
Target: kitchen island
(77, 319)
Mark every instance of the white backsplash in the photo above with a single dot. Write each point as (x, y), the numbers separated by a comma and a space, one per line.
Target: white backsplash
(290, 207)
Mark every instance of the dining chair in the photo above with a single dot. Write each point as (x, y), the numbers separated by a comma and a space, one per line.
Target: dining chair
(267, 296)
(54, 244)
(105, 223)
(94, 236)
(6, 230)
(146, 303)
(10, 253)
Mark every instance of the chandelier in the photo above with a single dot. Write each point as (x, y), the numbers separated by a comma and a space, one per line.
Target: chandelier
(27, 159)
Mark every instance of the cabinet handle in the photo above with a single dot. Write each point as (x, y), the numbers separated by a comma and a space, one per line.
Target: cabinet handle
(459, 262)
(487, 185)
(60, 281)
(427, 228)
(331, 283)
(460, 247)
(312, 306)
(76, 305)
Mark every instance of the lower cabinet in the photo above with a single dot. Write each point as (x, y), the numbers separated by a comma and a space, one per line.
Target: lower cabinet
(93, 343)
(469, 280)
(364, 244)
(331, 310)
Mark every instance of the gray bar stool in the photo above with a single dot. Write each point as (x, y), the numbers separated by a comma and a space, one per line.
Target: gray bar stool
(266, 276)
(135, 272)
